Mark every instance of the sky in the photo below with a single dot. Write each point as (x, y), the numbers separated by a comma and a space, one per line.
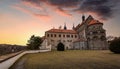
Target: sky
(19, 19)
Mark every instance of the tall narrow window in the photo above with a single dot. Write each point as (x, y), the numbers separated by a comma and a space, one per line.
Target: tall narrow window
(59, 35)
(47, 35)
(75, 36)
(71, 36)
(63, 35)
(54, 35)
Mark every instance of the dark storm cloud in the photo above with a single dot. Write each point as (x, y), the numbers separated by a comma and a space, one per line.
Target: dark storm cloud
(102, 8)
(64, 3)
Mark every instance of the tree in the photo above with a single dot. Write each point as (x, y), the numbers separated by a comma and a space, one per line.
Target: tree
(110, 38)
(34, 42)
(115, 45)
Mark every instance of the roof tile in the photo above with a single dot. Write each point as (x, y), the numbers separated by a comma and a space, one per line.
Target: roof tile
(62, 31)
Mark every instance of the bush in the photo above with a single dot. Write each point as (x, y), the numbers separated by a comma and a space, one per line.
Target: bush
(34, 42)
(60, 47)
(115, 45)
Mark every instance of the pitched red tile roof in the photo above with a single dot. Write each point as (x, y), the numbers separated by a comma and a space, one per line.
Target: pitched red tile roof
(62, 31)
(94, 22)
(91, 22)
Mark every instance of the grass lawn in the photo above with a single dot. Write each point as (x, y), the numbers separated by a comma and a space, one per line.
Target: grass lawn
(70, 59)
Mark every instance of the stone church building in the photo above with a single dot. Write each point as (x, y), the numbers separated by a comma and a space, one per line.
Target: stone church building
(89, 34)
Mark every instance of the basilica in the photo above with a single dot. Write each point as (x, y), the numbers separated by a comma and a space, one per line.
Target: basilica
(88, 35)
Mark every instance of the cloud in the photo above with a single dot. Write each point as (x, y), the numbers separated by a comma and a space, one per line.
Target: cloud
(63, 12)
(21, 9)
(32, 5)
(64, 3)
(44, 17)
(104, 9)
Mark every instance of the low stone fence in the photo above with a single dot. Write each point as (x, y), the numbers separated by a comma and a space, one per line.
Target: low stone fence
(9, 62)
(8, 49)
(8, 56)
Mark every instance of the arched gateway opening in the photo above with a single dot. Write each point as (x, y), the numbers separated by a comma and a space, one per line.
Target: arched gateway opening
(60, 47)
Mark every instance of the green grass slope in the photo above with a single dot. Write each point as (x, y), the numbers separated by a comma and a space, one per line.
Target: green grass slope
(70, 59)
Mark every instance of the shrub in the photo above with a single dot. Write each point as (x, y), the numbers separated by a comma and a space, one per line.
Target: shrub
(115, 45)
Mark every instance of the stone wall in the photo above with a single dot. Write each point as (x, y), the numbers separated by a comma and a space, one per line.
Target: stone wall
(7, 49)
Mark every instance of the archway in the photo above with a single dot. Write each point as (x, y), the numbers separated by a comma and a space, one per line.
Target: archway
(60, 47)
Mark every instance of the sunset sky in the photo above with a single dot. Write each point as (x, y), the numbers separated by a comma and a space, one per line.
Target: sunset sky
(19, 19)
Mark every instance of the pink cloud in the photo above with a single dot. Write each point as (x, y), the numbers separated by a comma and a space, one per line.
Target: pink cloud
(29, 12)
(63, 12)
(42, 4)
(32, 5)
(21, 9)
(43, 17)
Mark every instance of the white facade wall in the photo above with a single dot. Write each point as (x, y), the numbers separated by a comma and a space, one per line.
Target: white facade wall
(54, 39)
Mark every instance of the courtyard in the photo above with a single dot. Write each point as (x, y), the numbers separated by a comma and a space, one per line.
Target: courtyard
(69, 59)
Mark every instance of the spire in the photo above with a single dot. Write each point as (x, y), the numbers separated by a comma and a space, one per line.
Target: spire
(65, 28)
(83, 18)
(73, 26)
